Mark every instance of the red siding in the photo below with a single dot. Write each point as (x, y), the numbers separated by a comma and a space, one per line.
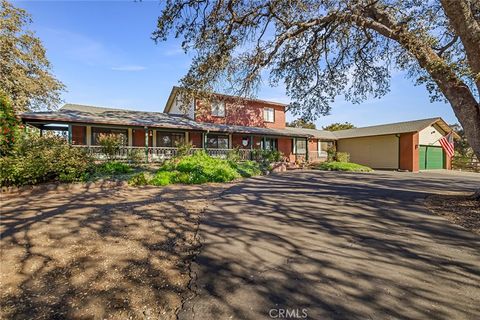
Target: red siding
(312, 145)
(138, 137)
(409, 151)
(248, 114)
(285, 147)
(195, 139)
(79, 134)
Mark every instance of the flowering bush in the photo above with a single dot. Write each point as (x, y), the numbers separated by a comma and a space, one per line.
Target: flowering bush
(10, 126)
(34, 159)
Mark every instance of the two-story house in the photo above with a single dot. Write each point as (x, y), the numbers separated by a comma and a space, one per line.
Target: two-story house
(229, 122)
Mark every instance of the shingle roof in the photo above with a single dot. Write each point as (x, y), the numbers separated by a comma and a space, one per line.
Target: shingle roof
(74, 113)
(384, 129)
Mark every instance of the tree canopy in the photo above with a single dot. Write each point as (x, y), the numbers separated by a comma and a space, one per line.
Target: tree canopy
(301, 123)
(25, 72)
(339, 126)
(320, 50)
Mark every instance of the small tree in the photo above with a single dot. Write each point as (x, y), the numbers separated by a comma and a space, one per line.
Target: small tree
(339, 126)
(110, 144)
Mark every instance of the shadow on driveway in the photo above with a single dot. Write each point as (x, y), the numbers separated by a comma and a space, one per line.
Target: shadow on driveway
(336, 246)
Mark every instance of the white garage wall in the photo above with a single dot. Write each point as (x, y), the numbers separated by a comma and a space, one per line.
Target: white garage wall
(430, 136)
(380, 152)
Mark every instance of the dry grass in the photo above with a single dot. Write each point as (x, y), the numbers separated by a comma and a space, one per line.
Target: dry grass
(121, 253)
(461, 209)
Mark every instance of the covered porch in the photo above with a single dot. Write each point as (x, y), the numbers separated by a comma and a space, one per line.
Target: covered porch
(153, 144)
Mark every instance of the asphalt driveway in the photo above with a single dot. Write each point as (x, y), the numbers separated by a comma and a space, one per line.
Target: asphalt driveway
(326, 245)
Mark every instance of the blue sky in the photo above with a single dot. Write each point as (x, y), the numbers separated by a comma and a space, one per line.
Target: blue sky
(102, 52)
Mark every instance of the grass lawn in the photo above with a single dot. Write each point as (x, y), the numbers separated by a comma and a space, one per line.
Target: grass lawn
(342, 166)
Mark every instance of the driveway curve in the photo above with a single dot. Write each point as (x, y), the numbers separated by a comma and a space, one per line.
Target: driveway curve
(328, 245)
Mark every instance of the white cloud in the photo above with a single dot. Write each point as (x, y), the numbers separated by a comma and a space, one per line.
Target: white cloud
(129, 68)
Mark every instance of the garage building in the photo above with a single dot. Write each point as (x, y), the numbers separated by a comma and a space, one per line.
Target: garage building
(410, 145)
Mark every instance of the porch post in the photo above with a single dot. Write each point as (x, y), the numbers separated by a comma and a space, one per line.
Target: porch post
(154, 138)
(229, 141)
(187, 137)
(263, 142)
(306, 150)
(294, 148)
(70, 134)
(88, 133)
(204, 140)
(146, 144)
(130, 137)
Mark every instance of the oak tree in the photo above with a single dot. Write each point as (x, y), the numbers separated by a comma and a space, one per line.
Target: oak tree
(339, 126)
(321, 49)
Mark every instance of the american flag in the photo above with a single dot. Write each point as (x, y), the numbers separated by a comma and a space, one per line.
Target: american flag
(447, 144)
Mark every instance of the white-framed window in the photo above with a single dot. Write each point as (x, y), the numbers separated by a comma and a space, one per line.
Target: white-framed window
(268, 115)
(218, 109)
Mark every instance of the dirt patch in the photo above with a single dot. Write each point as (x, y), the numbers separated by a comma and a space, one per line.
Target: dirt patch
(118, 253)
(459, 209)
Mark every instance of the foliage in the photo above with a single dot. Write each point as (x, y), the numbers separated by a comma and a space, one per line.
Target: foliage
(37, 159)
(267, 156)
(25, 72)
(343, 166)
(462, 148)
(135, 156)
(184, 149)
(331, 152)
(139, 179)
(234, 155)
(10, 126)
(113, 168)
(199, 168)
(342, 157)
(110, 144)
(339, 126)
(301, 123)
(321, 50)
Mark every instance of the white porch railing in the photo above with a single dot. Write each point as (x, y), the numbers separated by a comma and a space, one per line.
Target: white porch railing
(158, 154)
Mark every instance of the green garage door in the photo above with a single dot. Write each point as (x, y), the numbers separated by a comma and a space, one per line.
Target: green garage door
(430, 157)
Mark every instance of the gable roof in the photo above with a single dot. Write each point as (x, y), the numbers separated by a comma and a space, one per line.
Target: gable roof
(393, 128)
(176, 90)
(74, 113)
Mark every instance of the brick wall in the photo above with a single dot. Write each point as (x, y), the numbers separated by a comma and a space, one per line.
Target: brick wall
(248, 114)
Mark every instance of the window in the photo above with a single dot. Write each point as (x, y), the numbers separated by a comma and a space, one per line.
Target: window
(121, 133)
(301, 146)
(218, 109)
(269, 144)
(325, 145)
(168, 139)
(268, 115)
(217, 142)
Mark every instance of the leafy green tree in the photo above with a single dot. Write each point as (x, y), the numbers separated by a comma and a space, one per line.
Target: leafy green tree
(339, 126)
(324, 49)
(301, 123)
(462, 148)
(25, 72)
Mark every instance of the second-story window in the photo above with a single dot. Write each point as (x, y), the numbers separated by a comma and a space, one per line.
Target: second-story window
(268, 115)
(218, 109)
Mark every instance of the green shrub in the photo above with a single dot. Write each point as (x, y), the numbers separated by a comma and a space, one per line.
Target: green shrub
(36, 159)
(10, 126)
(267, 156)
(113, 168)
(184, 149)
(343, 166)
(342, 157)
(331, 151)
(247, 168)
(139, 179)
(110, 144)
(163, 178)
